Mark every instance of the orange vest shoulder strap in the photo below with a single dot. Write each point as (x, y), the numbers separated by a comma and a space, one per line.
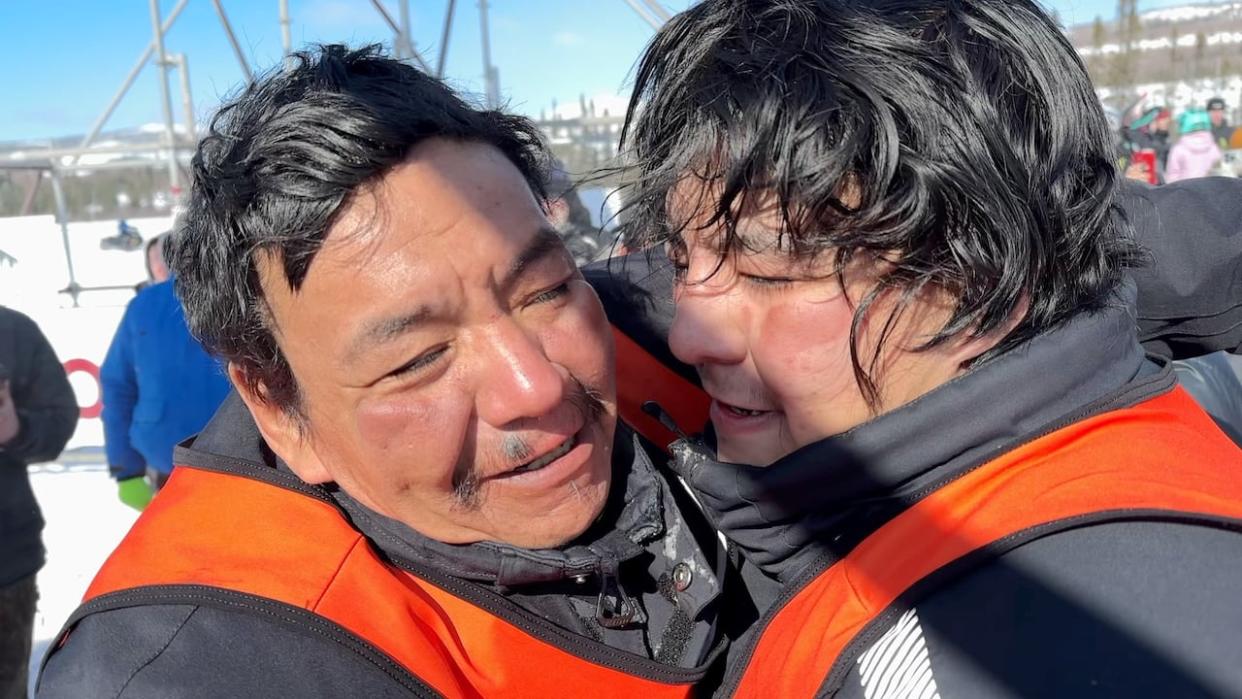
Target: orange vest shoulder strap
(642, 378)
(1162, 458)
(235, 533)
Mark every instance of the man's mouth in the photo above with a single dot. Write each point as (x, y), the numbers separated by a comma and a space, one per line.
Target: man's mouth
(548, 458)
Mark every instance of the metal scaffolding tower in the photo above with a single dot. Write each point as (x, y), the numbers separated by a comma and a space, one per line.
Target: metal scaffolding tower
(52, 162)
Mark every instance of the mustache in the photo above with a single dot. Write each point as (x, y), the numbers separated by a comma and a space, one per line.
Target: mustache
(468, 484)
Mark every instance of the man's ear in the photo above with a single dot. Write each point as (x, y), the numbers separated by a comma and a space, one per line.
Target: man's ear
(282, 432)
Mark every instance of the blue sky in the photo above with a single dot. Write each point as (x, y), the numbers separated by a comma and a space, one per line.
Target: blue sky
(65, 59)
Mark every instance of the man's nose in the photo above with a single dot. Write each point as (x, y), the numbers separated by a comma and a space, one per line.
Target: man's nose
(706, 326)
(517, 380)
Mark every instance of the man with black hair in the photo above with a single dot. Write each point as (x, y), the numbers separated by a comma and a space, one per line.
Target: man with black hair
(38, 413)
(1222, 132)
(421, 486)
(900, 275)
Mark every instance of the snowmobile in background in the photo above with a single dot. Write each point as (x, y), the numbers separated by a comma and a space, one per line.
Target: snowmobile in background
(127, 238)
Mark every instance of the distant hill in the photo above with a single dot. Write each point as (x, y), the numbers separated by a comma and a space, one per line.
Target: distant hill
(130, 135)
(1191, 42)
(1178, 56)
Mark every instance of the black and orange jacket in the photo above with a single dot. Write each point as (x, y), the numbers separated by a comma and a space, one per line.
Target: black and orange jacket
(241, 580)
(1061, 521)
(1118, 482)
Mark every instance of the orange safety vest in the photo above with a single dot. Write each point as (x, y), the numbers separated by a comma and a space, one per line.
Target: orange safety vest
(214, 532)
(1160, 460)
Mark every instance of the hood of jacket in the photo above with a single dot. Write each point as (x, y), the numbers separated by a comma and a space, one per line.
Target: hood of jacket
(1198, 142)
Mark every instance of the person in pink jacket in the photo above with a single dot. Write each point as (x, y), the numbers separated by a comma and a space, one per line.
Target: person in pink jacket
(1196, 152)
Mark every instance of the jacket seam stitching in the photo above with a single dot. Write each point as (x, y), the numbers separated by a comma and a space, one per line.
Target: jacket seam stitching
(336, 573)
(147, 663)
(273, 609)
(256, 472)
(1163, 316)
(1131, 396)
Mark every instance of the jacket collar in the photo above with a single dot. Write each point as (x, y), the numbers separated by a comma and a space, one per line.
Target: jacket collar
(633, 515)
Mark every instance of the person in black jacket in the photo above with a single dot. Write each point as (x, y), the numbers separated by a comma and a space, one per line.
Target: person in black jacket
(1222, 131)
(901, 274)
(38, 413)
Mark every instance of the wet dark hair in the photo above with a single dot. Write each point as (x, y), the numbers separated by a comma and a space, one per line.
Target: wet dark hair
(959, 140)
(278, 163)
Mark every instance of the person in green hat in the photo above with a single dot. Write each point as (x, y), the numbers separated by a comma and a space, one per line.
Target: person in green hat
(1148, 132)
(1195, 154)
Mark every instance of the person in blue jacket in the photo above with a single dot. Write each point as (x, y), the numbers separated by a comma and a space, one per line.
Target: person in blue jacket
(159, 387)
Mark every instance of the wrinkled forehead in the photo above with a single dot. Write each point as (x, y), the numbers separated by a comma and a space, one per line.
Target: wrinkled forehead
(446, 193)
(445, 199)
(452, 216)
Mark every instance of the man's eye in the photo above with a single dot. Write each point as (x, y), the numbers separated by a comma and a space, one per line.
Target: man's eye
(552, 294)
(767, 282)
(421, 362)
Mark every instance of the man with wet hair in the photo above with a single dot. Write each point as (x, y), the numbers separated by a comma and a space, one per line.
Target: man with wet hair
(901, 278)
(421, 485)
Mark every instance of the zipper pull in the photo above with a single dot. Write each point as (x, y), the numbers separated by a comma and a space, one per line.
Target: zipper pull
(614, 609)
